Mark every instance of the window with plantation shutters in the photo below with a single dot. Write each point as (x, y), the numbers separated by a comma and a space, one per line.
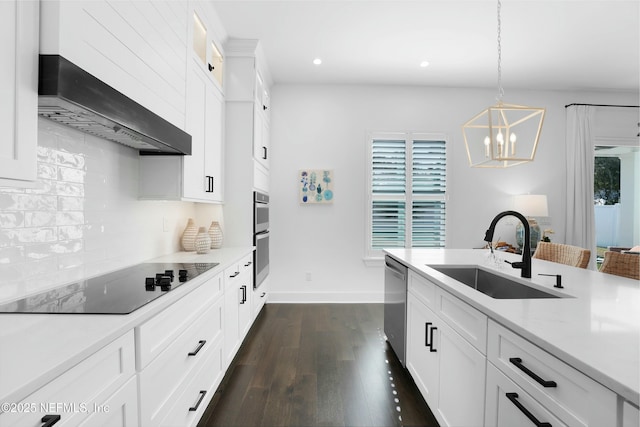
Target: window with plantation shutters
(407, 189)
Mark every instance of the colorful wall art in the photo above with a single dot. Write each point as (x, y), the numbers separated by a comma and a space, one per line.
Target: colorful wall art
(316, 186)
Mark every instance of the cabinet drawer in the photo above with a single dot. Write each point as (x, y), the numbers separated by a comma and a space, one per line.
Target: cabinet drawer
(422, 288)
(508, 405)
(576, 399)
(160, 331)
(75, 393)
(464, 319)
(193, 399)
(163, 377)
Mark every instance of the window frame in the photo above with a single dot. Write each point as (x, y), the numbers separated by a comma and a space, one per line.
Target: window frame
(408, 197)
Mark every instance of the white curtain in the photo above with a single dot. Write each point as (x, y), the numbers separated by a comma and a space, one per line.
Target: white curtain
(580, 216)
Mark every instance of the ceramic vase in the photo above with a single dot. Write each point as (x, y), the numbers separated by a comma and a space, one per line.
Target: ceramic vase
(188, 239)
(203, 241)
(215, 233)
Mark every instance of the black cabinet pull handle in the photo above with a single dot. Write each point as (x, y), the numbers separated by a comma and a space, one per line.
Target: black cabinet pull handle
(248, 264)
(426, 334)
(513, 397)
(202, 393)
(244, 294)
(263, 294)
(433, 328)
(518, 362)
(264, 151)
(234, 274)
(211, 67)
(264, 107)
(209, 184)
(201, 344)
(50, 420)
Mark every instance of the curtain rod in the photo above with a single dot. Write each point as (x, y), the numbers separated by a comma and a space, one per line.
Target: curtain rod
(605, 105)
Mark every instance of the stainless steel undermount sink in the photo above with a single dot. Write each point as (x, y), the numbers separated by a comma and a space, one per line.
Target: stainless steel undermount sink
(490, 284)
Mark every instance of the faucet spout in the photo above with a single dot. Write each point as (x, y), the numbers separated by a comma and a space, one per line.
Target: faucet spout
(525, 265)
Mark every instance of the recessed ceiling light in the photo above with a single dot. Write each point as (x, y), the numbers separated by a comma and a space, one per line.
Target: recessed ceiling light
(424, 64)
(317, 61)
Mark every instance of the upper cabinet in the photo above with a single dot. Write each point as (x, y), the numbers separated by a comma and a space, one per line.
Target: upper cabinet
(247, 93)
(137, 47)
(198, 177)
(205, 48)
(19, 88)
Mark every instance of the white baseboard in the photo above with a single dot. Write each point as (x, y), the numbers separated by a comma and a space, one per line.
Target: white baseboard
(325, 297)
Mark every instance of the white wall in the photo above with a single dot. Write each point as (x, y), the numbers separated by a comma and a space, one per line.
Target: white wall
(84, 218)
(326, 127)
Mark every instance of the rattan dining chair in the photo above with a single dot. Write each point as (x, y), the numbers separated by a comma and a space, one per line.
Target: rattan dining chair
(621, 264)
(574, 256)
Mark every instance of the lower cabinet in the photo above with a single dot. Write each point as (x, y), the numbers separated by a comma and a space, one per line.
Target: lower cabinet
(237, 305)
(186, 367)
(120, 410)
(101, 383)
(510, 406)
(448, 370)
(548, 388)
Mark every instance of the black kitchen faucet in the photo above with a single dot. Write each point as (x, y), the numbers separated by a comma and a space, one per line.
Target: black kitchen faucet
(525, 264)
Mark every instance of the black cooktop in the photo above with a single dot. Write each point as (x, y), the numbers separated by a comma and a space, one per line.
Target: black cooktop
(119, 292)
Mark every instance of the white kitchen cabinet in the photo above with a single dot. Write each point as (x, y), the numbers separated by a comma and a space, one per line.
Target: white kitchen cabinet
(448, 369)
(120, 410)
(563, 391)
(137, 47)
(173, 347)
(259, 297)
(247, 95)
(19, 23)
(199, 176)
(510, 406)
(85, 388)
(205, 42)
(238, 310)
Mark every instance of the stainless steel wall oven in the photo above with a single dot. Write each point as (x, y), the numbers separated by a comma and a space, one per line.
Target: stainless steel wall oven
(260, 237)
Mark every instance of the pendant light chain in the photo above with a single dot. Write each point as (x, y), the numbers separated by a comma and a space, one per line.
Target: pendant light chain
(500, 89)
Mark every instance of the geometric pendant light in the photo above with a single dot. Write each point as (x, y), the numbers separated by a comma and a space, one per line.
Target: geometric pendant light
(503, 135)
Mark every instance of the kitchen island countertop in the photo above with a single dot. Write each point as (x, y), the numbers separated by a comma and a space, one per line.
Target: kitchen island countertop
(595, 329)
(36, 348)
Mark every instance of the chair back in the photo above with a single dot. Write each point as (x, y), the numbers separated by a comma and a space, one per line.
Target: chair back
(574, 256)
(620, 264)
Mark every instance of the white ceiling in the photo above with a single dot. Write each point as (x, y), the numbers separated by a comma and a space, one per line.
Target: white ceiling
(546, 44)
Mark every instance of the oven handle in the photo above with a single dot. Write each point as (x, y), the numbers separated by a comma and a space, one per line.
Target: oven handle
(262, 234)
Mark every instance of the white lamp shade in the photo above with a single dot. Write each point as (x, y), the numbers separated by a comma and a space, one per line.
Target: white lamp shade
(531, 205)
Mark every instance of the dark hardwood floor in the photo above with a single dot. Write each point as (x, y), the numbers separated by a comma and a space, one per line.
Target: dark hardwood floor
(308, 365)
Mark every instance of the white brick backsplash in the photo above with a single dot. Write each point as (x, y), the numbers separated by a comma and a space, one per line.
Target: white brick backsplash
(11, 219)
(40, 219)
(70, 203)
(83, 218)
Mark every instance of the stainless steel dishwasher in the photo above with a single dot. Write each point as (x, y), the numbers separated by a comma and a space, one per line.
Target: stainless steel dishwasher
(395, 306)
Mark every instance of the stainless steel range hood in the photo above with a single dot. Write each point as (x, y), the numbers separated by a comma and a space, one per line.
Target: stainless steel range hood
(71, 96)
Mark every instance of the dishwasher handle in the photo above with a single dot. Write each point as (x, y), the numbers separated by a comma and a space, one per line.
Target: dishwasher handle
(391, 268)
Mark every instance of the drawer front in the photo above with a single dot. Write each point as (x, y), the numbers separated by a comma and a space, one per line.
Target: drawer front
(508, 405)
(163, 377)
(422, 288)
(464, 319)
(120, 409)
(75, 393)
(160, 331)
(191, 401)
(575, 398)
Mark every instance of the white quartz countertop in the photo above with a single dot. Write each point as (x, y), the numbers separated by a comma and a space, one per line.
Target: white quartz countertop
(36, 348)
(596, 329)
